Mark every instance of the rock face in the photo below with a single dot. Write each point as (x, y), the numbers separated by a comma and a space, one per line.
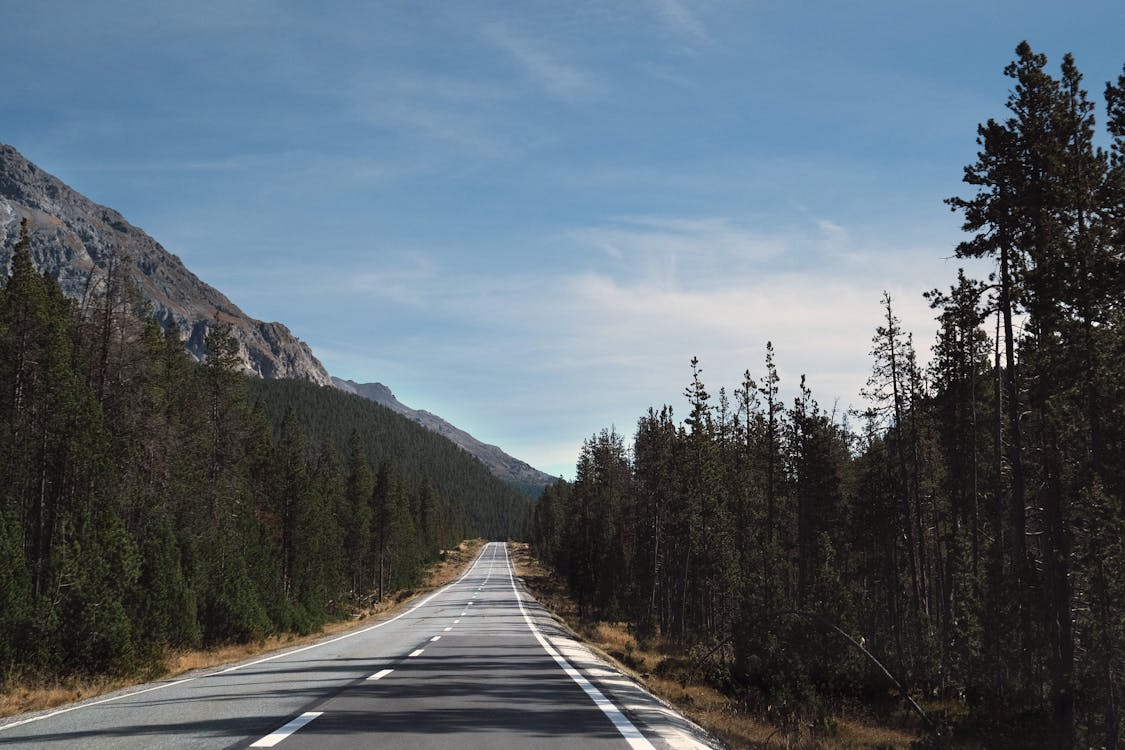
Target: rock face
(77, 241)
(506, 468)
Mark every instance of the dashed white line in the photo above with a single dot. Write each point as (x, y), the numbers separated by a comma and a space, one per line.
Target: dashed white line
(436, 638)
(415, 652)
(272, 739)
(345, 636)
(448, 629)
(380, 674)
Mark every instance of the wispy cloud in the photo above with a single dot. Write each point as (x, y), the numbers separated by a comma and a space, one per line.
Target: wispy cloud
(456, 112)
(682, 21)
(558, 79)
(607, 338)
(415, 84)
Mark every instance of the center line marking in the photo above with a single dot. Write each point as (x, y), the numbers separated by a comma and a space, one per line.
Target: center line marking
(415, 653)
(380, 674)
(272, 739)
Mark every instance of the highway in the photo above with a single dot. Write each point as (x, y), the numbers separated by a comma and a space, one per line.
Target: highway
(475, 664)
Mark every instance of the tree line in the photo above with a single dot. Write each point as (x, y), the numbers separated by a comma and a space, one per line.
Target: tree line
(148, 501)
(963, 539)
(489, 506)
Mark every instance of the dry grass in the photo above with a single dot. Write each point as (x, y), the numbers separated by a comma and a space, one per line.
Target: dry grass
(666, 671)
(21, 692)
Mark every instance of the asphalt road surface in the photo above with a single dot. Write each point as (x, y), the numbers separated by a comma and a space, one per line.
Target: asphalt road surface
(476, 664)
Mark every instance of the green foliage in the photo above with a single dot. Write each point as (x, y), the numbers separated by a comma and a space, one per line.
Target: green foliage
(150, 502)
(15, 590)
(490, 508)
(967, 542)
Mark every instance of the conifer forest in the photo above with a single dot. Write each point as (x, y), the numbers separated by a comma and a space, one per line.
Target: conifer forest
(955, 547)
(148, 501)
(958, 544)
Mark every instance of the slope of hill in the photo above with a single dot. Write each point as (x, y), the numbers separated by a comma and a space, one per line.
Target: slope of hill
(493, 508)
(82, 244)
(518, 474)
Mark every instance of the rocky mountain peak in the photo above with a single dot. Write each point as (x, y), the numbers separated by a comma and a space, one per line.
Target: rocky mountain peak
(77, 241)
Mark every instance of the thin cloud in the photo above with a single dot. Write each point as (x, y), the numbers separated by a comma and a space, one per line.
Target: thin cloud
(684, 250)
(612, 339)
(558, 79)
(426, 86)
(682, 21)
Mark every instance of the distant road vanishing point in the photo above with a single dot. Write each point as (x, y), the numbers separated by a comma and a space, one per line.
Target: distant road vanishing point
(476, 664)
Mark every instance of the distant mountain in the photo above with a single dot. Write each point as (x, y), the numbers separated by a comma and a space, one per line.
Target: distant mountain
(78, 241)
(511, 470)
(492, 507)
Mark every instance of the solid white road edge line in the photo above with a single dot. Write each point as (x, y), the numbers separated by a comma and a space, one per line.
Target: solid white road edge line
(68, 709)
(93, 703)
(275, 737)
(625, 727)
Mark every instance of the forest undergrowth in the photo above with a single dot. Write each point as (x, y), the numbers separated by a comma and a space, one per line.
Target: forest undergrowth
(675, 674)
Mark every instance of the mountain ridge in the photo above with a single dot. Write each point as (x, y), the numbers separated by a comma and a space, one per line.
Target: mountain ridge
(508, 468)
(82, 243)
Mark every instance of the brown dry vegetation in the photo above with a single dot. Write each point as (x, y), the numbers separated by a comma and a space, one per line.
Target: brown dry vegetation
(666, 671)
(21, 692)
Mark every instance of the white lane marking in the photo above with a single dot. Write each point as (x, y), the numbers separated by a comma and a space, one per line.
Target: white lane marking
(626, 728)
(415, 652)
(448, 629)
(436, 637)
(93, 703)
(380, 674)
(455, 622)
(356, 632)
(272, 739)
(464, 613)
(68, 709)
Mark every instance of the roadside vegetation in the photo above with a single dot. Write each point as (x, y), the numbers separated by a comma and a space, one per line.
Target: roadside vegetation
(670, 671)
(150, 504)
(22, 690)
(957, 550)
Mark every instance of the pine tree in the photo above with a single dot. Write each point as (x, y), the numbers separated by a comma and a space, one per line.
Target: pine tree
(357, 507)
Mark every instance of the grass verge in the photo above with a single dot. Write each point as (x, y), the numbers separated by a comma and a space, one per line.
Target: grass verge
(665, 670)
(21, 692)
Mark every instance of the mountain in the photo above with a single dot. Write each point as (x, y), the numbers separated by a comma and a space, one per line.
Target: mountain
(513, 471)
(492, 507)
(80, 243)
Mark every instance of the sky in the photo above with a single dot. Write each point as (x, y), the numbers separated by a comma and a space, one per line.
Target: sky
(527, 217)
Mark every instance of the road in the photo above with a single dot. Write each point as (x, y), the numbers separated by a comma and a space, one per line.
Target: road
(476, 664)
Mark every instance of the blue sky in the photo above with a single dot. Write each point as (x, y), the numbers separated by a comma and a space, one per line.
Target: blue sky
(527, 217)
